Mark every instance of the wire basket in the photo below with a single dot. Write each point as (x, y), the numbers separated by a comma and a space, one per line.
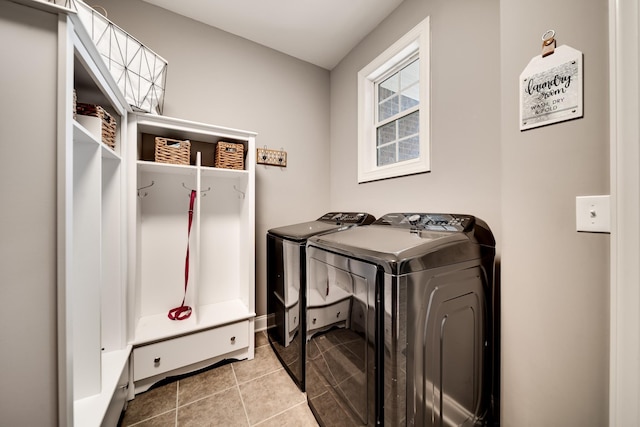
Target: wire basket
(229, 155)
(174, 151)
(139, 72)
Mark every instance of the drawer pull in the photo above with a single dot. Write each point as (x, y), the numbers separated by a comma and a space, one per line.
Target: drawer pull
(233, 340)
(338, 315)
(314, 321)
(156, 361)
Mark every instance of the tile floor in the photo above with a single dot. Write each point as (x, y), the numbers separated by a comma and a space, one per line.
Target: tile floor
(254, 392)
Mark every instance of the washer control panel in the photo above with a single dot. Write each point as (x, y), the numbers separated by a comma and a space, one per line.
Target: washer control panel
(359, 218)
(427, 221)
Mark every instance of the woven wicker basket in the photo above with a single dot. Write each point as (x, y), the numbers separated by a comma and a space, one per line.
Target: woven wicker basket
(108, 123)
(75, 104)
(175, 151)
(229, 155)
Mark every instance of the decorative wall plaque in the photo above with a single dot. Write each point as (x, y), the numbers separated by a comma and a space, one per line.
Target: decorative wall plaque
(551, 88)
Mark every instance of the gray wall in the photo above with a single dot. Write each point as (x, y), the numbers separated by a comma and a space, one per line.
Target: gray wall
(554, 280)
(465, 115)
(28, 343)
(218, 78)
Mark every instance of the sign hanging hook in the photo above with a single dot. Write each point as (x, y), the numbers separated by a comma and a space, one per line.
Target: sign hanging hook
(548, 43)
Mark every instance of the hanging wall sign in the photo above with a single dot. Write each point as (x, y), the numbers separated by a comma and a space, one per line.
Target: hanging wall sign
(551, 88)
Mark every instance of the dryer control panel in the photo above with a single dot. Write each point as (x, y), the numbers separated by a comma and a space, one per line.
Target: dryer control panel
(359, 218)
(428, 221)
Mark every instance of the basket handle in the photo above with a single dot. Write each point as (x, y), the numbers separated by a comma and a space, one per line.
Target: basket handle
(104, 11)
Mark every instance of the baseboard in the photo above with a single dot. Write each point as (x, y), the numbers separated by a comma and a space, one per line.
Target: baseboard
(261, 322)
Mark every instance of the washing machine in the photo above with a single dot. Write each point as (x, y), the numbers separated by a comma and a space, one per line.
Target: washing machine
(286, 290)
(403, 323)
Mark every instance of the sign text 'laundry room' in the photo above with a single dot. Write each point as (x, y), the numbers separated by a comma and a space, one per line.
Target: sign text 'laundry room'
(551, 88)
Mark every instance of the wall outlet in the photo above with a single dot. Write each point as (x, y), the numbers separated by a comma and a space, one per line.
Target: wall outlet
(593, 214)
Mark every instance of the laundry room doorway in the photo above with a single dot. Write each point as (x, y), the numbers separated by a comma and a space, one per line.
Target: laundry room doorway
(624, 54)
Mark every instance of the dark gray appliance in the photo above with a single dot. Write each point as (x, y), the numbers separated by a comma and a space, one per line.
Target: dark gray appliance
(286, 278)
(403, 323)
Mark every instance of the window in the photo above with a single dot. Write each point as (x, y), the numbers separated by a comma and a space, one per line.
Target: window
(393, 109)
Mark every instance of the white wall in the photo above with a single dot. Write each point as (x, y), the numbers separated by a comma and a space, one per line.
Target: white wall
(215, 77)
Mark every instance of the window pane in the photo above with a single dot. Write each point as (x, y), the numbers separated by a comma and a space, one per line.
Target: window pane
(409, 149)
(389, 87)
(386, 155)
(409, 125)
(393, 107)
(388, 108)
(410, 97)
(410, 85)
(410, 74)
(386, 134)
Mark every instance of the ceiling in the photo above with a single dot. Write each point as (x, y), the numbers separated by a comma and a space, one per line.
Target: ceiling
(321, 32)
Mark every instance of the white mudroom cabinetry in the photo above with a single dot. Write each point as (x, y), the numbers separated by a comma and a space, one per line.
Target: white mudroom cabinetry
(67, 194)
(221, 284)
(95, 292)
(89, 265)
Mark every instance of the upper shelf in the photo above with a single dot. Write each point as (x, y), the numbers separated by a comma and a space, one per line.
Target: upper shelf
(82, 135)
(167, 168)
(204, 139)
(184, 129)
(92, 79)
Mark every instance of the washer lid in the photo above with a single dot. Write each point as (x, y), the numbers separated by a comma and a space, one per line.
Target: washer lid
(301, 232)
(401, 250)
(329, 222)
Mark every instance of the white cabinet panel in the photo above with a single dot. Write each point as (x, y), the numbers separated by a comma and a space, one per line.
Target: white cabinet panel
(165, 356)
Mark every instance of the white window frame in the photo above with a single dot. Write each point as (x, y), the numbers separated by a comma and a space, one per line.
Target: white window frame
(414, 42)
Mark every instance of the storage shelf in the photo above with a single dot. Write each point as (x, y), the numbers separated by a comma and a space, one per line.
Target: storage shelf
(91, 410)
(209, 172)
(159, 327)
(186, 129)
(82, 135)
(223, 173)
(166, 168)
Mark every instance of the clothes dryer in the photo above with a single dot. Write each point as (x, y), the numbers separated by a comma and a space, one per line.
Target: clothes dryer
(286, 289)
(403, 323)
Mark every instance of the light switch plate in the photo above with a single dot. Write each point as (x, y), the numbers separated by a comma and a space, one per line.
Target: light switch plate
(593, 214)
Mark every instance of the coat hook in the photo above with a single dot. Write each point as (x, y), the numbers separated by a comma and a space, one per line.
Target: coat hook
(241, 195)
(201, 191)
(145, 194)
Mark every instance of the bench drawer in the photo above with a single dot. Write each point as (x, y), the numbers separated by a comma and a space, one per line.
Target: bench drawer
(165, 356)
